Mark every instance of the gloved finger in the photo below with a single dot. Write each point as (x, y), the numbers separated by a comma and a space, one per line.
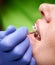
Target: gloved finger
(17, 52)
(10, 41)
(26, 58)
(9, 30)
(2, 34)
(24, 61)
(33, 62)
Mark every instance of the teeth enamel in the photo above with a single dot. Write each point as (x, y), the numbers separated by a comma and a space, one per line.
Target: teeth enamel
(36, 31)
(34, 27)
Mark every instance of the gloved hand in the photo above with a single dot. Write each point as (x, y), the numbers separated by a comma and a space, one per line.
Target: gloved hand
(15, 48)
(10, 29)
(21, 62)
(33, 62)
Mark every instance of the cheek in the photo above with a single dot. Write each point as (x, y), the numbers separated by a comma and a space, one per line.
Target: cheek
(40, 53)
(49, 39)
(51, 43)
(45, 50)
(43, 54)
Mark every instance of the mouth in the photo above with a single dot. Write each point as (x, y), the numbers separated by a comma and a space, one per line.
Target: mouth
(37, 34)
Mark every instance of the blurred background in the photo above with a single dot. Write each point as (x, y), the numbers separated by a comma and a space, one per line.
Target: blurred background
(20, 12)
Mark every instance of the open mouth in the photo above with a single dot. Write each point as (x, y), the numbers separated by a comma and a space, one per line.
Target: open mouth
(36, 32)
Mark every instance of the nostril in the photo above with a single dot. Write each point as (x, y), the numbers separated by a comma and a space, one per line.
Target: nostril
(45, 11)
(42, 13)
(45, 15)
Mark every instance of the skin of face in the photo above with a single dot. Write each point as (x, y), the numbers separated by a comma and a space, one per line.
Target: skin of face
(44, 49)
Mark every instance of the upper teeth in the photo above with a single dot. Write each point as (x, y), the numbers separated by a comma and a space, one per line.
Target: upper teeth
(36, 31)
(34, 27)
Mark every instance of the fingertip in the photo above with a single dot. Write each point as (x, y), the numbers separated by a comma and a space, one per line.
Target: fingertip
(10, 29)
(13, 39)
(24, 29)
(2, 34)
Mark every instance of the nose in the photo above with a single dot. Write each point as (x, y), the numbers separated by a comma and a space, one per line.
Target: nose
(45, 11)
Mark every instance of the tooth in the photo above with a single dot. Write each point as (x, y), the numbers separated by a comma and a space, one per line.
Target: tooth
(36, 32)
(34, 27)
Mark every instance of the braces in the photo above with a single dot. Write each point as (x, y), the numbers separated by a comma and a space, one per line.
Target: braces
(35, 31)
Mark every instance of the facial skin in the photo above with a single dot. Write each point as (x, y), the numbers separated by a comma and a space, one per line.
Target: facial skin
(44, 49)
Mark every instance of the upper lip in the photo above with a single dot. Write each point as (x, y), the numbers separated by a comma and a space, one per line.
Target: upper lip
(38, 28)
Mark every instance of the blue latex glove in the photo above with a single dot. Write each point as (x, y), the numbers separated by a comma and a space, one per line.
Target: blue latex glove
(25, 60)
(33, 62)
(15, 48)
(10, 29)
(20, 62)
(13, 39)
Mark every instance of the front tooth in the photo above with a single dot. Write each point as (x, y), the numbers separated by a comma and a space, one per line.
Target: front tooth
(34, 27)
